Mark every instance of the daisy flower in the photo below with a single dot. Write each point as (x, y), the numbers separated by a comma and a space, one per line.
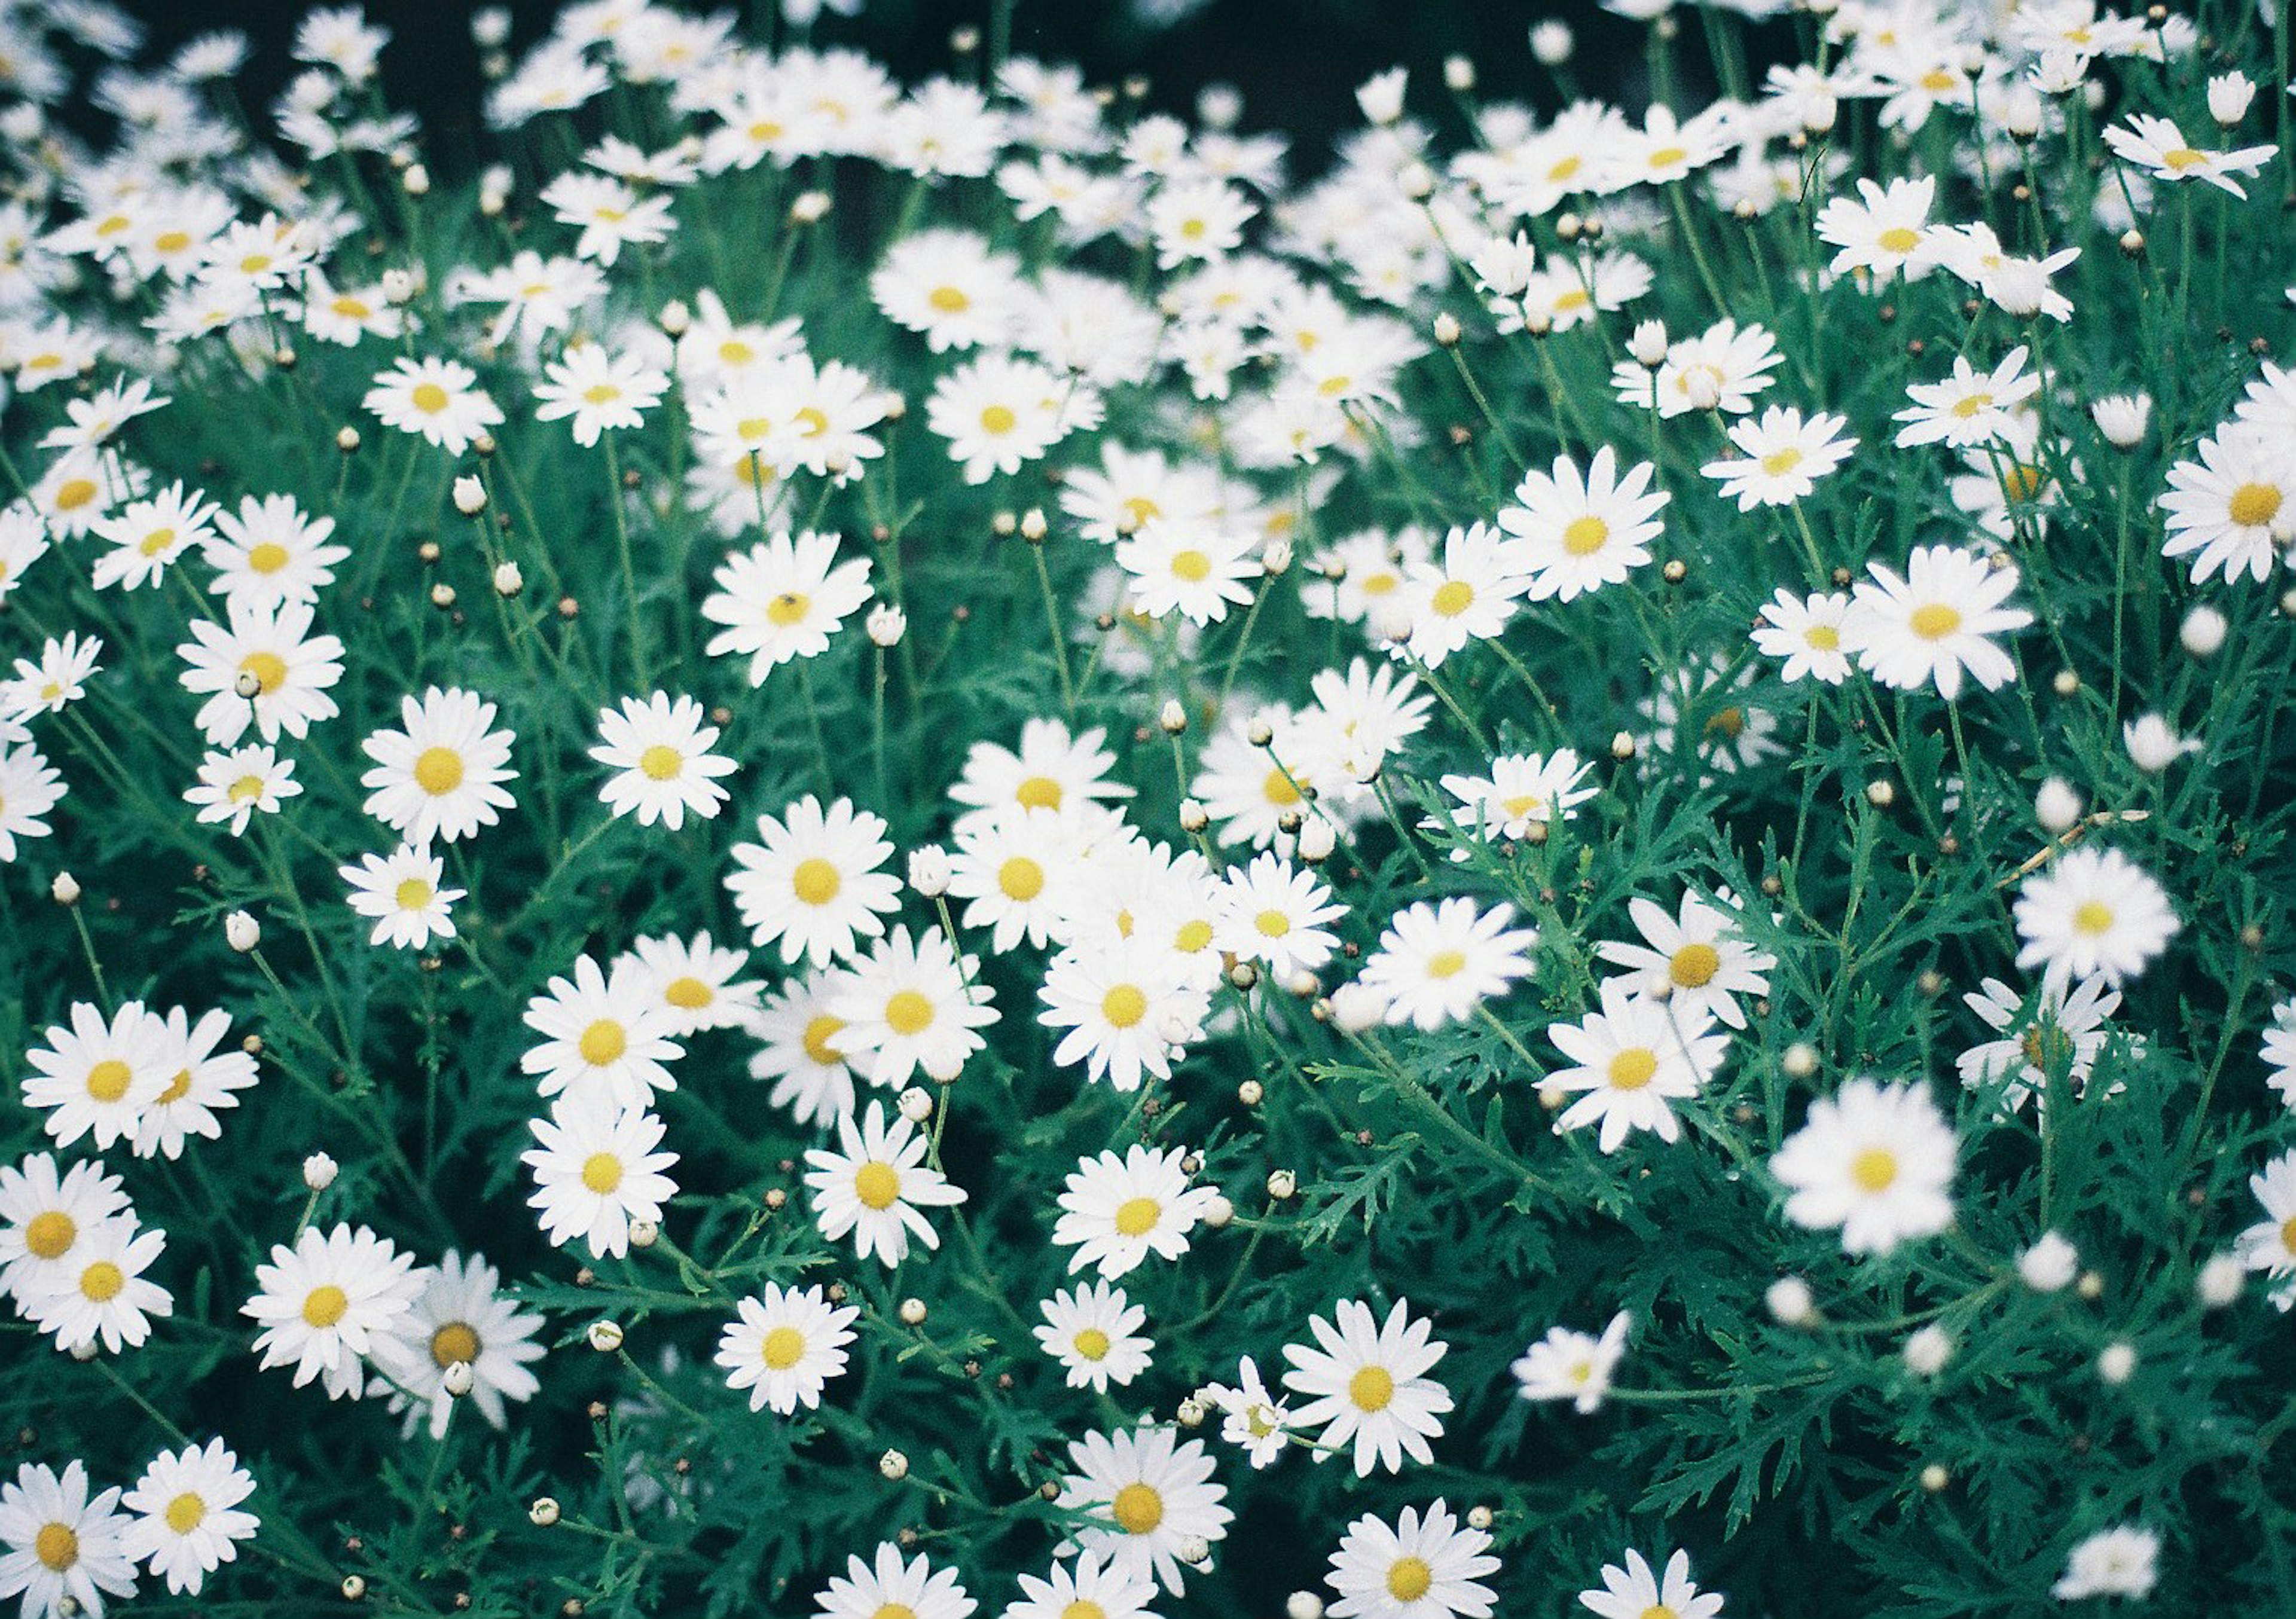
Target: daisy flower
(601, 391)
(1427, 1566)
(1437, 963)
(1781, 456)
(797, 1049)
(100, 1292)
(1575, 531)
(238, 784)
(1522, 790)
(324, 1301)
(272, 651)
(784, 1347)
(912, 1004)
(1970, 407)
(201, 1080)
(595, 1172)
(439, 777)
(1468, 594)
(874, 1188)
(404, 893)
(45, 1216)
(1003, 867)
(1128, 1005)
(1271, 913)
(2122, 1561)
(1935, 623)
(66, 1550)
(1567, 1365)
(1089, 1588)
(147, 536)
(1143, 1494)
(695, 983)
(30, 788)
(1094, 1333)
(1253, 1420)
(271, 552)
(1694, 960)
(2158, 146)
(601, 1036)
(1367, 1384)
(2063, 1030)
(949, 286)
(1196, 220)
(1633, 1059)
(460, 1317)
(997, 411)
(1053, 769)
(1197, 570)
(2233, 510)
(813, 880)
(914, 1588)
(1874, 1161)
(1116, 1212)
(96, 1077)
(1881, 231)
(659, 749)
(1804, 633)
(2269, 1245)
(2094, 912)
(1635, 1592)
(60, 678)
(2278, 1055)
(783, 599)
(438, 399)
(611, 213)
(184, 1516)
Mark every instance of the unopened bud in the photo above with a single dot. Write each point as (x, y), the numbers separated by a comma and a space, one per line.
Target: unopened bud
(604, 1336)
(929, 869)
(456, 1379)
(65, 889)
(886, 625)
(1283, 1185)
(241, 932)
(893, 1465)
(508, 580)
(416, 180)
(916, 1104)
(544, 1512)
(318, 1171)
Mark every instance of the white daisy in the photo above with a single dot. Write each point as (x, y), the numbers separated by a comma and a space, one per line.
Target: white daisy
(1368, 1384)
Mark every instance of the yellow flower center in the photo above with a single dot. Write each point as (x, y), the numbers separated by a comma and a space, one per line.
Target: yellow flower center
(815, 881)
(1092, 1344)
(601, 393)
(2288, 1234)
(1665, 155)
(325, 1305)
(1694, 966)
(789, 608)
(171, 241)
(950, 300)
(1084, 1607)
(1020, 879)
(177, 1088)
(269, 557)
(1193, 936)
(908, 1012)
(894, 1610)
(429, 397)
(1137, 1216)
(72, 495)
(1408, 1579)
(877, 1185)
(109, 1080)
(603, 1042)
(688, 993)
(1372, 1388)
(1898, 239)
(2183, 158)
(351, 308)
(818, 1034)
(1124, 1006)
(1192, 566)
(2252, 505)
(1973, 405)
(157, 541)
(1453, 597)
(1038, 792)
(185, 1512)
(2094, 916)
(998, 419)
(1272, 924)
(1934, 620)
(456, 1343)
(439, 770)
(661, 761)
(601, 1173)
(1874, 1169)
(1823, 637)
(1137, 1508)
(56, 1547)
(1445, 963)
(1777, 463)
(247, 789)
(1632, 1068)
(784, 1347)
(100, 1282)
(269, 669)
(2020, 482)
(1658, 1610)
(413, 894)
(50, 1233)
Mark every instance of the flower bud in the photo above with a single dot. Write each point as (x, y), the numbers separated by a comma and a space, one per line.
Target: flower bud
(916, 1104)
(469, 496)
(416, 180)
(354, 1587)
(1790, 1302)
(490, 28)
(1195, 1550)
(397, 286)
(457, 1379)
(544, 1512)
(1447, 330)
(65, 889)
(247, 684)
(2153, 745)
(1622, 745)
(1458, 74)
(1357, 1006)
(912, 1313)
(2050, 1264)
(893, 1465)
(1927, 1352)
(886, 625)
(1801, 1060)
(1303, 1604)
(1283, 1185)
(809, 207)
(1189, 1413)
(1172, 718)
(1552, 42)
(644, 1233)
(2116, 1364)
(2057, 806)
(2122, 419)
(1647, 344)
(2202, 632)
(1381, 97)
(929, 870)
(1194, 817)
(604, 1336)
(675, 318)
(1934, 1478)
(241, 932)
(2229, 95)
(318, 1171)
(1219, 106)
(346, 440)
(1317, 840)
(508, 580)
(2220, 1280)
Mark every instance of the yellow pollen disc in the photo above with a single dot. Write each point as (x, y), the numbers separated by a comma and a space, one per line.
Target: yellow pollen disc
(269, 669)
(49, 1234)
(171, 241)
(1445, 963)
(1823, 637)
(756, 473)
(1521, 805)
(100, 1282)
(1726, 722)
(1564, 168)
(56, 1547)
(1934, 620)
(950, 300)
(247, 789)
(1193, 229)
(1658, 1610)
(1372, 1388)
(1092, 1344)
(1020, 879)
(1137, 1216)
(784, 1347)
(603, 1043)
(1380, 585)
(1874, 1169)
(438, 771)
(1137, 511)
(429, 397)
(1278, 790)
(1777, 463)
(1694, 966)
(157, 541)
(1137, 1509)
(1331, 388)
(894, 1610)
(818, 1034)
(185, 1512)
(1571, 297)
(753, 426)
(1972, 405)
(1192, 566)
(601, 1173)
(1586, 535)
(255, 264)
(1193, 936)
(814, 422)
(413, 894)
(352, 308)
(177, 1088)
(998, 419)
(108, 1080)
(2184, 157)
(2288, 1235)
(732, 350)
(877, 1185)
(1898, 239)
(1632, 1068)
(908, 1012)
(1124, 1006)
(1665, 155)
(72, 495)
(455, 1343)
(1272, 924)
(815, 881)
(1084, 1607)
(325, 1305)
(269, 557)
(2094, 917)
(1937, 80)
(789, 608)
(661, 761)
(1453, 597)
(1408, 1579)
(601, 393)
(2253, 505)
(1038, 792)
(688, 993)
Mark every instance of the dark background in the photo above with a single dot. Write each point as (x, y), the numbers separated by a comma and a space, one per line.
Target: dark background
(1297, 61)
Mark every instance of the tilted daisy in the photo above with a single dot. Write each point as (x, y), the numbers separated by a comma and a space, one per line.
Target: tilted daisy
(30, 788)
(1804, 633)
(96, 1077)
(2158, 146)
(66, 1549)
(2061, 1031)
(1089, 1588)
(785, 1346)
(1635, 1592)
(101, 1294)
(659, 749)
(601, 1036)
(1969, 407)
(1367, 1385)
(184, 1516)
(913, 1588)
(1271, 912)
(1252, 1419)
(783, 599)
(240, 784)
(440, 400)
(798, 1049)
(1094, 1333)
(1143, 1494)
(696, 983)
(201, 1080)
(460, 1317)
(1128, 1006)
(873, 1188)
(913, 1005)
(147, 536)
(1197, 570)
(2233, 510)
(1522, 791)
(1781, 456)
(323, 1302)
(813, 880)
(58, 679)
(1633, 1059)
(1936, 622)
(1051, 769)
(1573, 1366)
(1881, 231)
(2094, 910)
(2269, 1245)
(440, 777)
(601, 391)
(596, 1171)
(1577, 531)
(1695, 959)
(1116, 1212)
(1428, 1566)
(2121, 1561)
(404, 893)
(1437, 963)
(1874, 1161)
(1468, 592)
(997, 412)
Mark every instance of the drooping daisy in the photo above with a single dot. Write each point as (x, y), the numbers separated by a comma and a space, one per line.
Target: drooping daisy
(404, 893)
(1094, 1334)
(1577, 531)
(1874, 1161)
(1143, 1494)
(1122, 1000)
(797, 1049)
(323, 1302)
(1969, 407)
(696, 983)
(58, 678)
(1633, 1059)
(659, 749)
(1804, 633)
(1781, 456)
(101, 1293)
(96, 1077)
(438, 399)
(1635, 1591)
(913, 1005)
(1116, 1212)
(440, 777)
(2094, 911)
(1695, 959)
(1573, 1366)
(1089, 1588)
(238, 784)
(185, 1520)
(1428, 1566)
(1271, 913)
(783, 599)
(601, 1036)
(1437, 963)
(874, 1187)
(868, 1590)
(785, 1347)
(595, 1171)
(201, 1080)
(2064, 1030)
(1935, 623)
(460, 1317)
(1367, 1384)
(65, 1550)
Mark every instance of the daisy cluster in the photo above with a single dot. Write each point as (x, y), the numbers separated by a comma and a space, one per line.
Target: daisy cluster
(934, 848)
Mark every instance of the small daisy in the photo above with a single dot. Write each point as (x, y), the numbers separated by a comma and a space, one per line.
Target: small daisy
(1123, 1002)
(1634, 1057)
(403, 892)
(1804, 633)
(460, 1317)
(874, 1188)
(1368, 1384)
(201, 1080)
(659, 749)
(271, 552)
(1143, 1494)
(601, 391)
(783, 599)
(1251, 1419)
(438, 399)
(2096, 910)
(97, 1076)
(1437, 963)
(1522, 790)
(1196, 569)
(1882, 232)
(1694, 961)
(100, 1292)
(1273, 913)
(595, 1172)
(185, 1518)
(812, 881)
(1635, 1592)
(1579, 531)
(237, 784)
(292, 669)
(1051, 770)
(1567, 1365)
(1427, 1566)
(1936, 622)
(1875, 1161)
(1116, 1212)
(997, 412)
(601, 1036)
(1005, 869)
(66, 1551)
(1970, 407)
(910, 1005)
(1468, 592)
(323, 1302)
(2063, 1030)
(2158, 146)
(60, 678)
(30, 788)
(147, 536)
(2233, 510)
(1781, 457)
(915, 1589)
(696, 983)
(2122, 1561)
(1094, 1333)
(439, 777)
(1088, 1589)
(2278, 1055)
(785, 1347)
